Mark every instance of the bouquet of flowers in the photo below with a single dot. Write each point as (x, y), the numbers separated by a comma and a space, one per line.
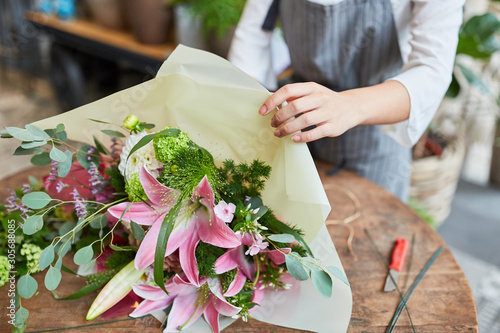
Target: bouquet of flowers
(160, 218)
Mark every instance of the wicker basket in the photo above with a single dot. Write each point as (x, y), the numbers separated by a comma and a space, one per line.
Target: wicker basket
(434, 179)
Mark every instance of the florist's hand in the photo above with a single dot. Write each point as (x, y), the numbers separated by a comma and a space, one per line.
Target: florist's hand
(331, 112)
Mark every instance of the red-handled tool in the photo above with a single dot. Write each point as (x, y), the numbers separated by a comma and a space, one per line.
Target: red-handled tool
(397, 262)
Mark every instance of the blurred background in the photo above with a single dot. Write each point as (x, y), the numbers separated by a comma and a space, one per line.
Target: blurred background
(56, 55)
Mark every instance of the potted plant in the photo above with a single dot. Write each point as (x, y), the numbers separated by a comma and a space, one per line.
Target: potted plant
(438, 156)
(218, 19)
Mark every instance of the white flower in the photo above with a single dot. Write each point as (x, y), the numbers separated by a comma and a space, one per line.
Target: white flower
(225, 211)
(143, 156)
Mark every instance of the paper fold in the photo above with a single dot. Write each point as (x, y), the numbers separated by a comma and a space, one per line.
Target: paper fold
(217, 104)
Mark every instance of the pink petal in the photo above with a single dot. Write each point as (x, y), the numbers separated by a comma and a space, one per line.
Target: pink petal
(139, 212)
(258, 295)
(226, 262)
(188, 259)
(204, 190)
(146, 291)
(158, 194)
(184, 309)
(212, 316)
(247, 239)
(180, 234)
(213, 230)
(147, 306)
(222, 306)
(278, 257)
(124, 307)
(237, 284)
(146, 254)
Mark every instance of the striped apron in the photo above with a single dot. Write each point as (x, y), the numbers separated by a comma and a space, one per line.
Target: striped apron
(348, 45)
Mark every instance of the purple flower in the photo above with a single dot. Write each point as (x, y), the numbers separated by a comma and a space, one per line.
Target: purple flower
(60, 186)
(14, 203)
(53, 172)
(80, 207)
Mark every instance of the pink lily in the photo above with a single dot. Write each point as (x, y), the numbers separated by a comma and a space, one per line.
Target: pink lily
(188, 302)
(196, 221)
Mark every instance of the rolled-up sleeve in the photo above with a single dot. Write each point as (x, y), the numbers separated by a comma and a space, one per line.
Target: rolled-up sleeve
(427, 73)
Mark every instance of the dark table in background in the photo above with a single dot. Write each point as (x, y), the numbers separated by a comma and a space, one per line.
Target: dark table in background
(443, 302)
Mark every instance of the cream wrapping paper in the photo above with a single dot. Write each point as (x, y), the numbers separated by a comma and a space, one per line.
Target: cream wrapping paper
(216, 103)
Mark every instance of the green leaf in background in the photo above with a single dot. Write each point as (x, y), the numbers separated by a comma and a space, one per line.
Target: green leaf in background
(39, 133)
(476, 38)
(335, 271)
(99, 121)
(100, 147)
(114, 134)
(262, 210)
(33, 224)
(27, 286)
(84, 255)
(46, 258)
(87, 268)
(87, 289)
(63, 247)
(282, 238)
(32, 151)
(121, 248)
(33, 181)
(474, 79)
(22, 315)
(36, 200)
(82, 156)
(20, 134)
(52, 278)
(454, 88)
(295, 268)
(322, 281)
(99, 221)
(41, 159)
(137, 231)
(64, 167)
(66, 227)
(60, 128)
(57, 155)
(57, 135)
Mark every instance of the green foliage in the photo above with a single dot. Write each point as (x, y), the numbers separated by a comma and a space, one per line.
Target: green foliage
(206, 256)
(168, 147)
(244, 179)
(27, 286)
(116, 179)
(422, 212)
(134, 189)
(243, 300)
(227, 278)
(118, 260)
(217, 15)
(36, 200)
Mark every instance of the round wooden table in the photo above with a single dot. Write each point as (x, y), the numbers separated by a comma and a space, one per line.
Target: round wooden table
(443, 302)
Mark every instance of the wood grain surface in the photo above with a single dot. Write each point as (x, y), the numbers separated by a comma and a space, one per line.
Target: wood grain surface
(442, 303)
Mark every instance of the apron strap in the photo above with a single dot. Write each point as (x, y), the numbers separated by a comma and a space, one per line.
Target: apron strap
(272, 16)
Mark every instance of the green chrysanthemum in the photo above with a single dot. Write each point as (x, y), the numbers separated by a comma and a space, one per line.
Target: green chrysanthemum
(4, 270)
(135, 190)
(167, 147)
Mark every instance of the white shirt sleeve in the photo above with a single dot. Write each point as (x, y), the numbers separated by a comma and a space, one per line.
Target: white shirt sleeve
(251, 46)
(427, 73)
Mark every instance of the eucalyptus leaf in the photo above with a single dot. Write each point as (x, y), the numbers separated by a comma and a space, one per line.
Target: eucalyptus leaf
(32, 144)
(64, 168)
(33, 181)
(57, 155)
(59, 264)
(60, 128)
(295, 268)
(46, 258)
(336, 272)
(33, 224)
(37, 132)
(86, 269)
(21, 317)
(87, 289)
(20, 134)
(36, 200)
(322, 281)
(255, 203)
(84, 255)
(52, 278)
(27, 286)
(114, 134)
(31, 151)
(137, 231)
(85, 159)
(66, 227)
(41, 159)
(100, 147)
(64, 246)
(262, 210)
(281, 238)
(122, 248)
(99, 221)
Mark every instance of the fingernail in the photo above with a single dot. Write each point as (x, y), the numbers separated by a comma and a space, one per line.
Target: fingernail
(277, 133)
(263, 110)
(297, 138)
